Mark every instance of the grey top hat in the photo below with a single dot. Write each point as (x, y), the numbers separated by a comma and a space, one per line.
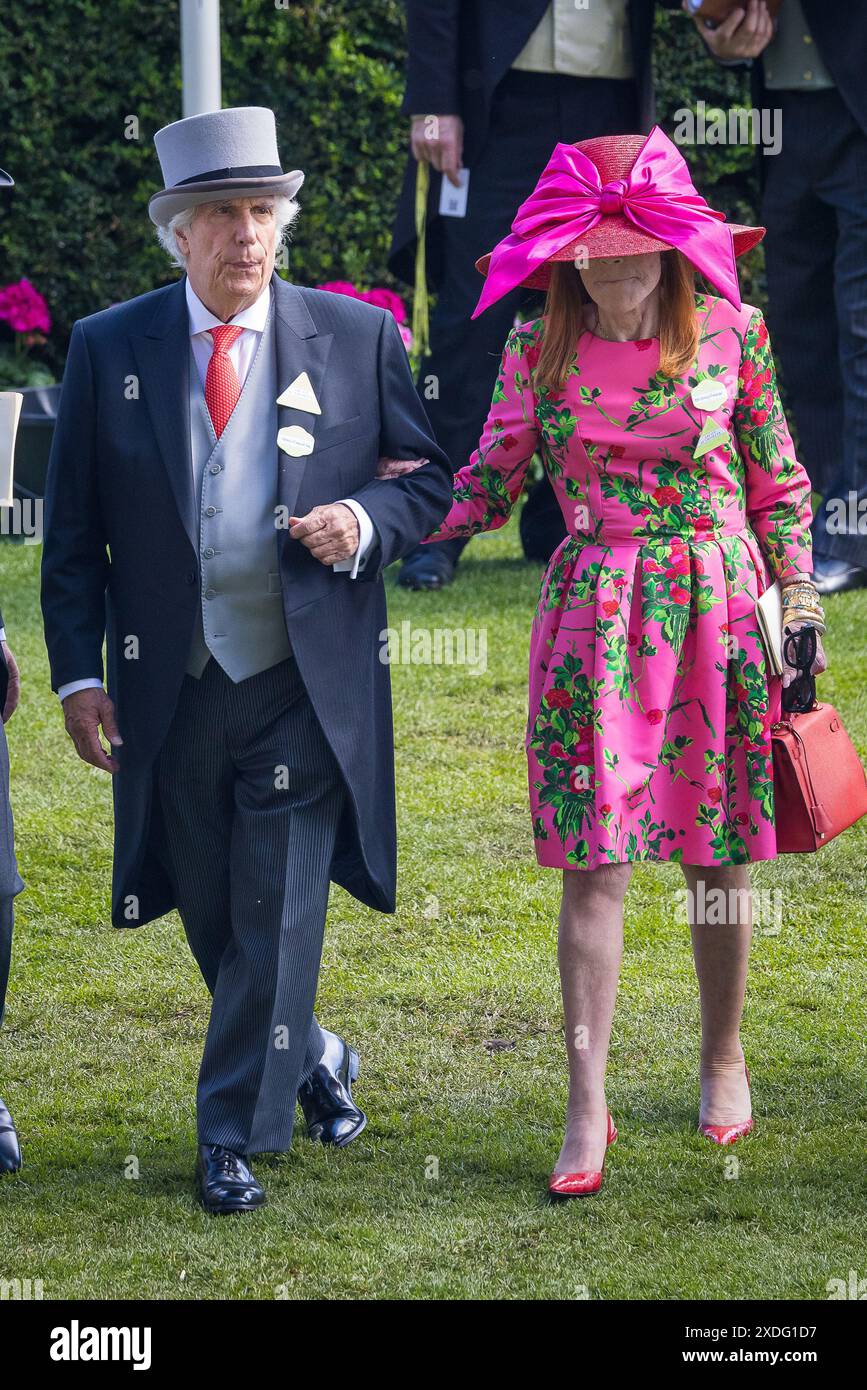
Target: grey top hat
(5, 178)
(204, 158)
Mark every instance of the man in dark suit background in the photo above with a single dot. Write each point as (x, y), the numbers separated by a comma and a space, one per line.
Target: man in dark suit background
(506, 80)
(216, 508)
(811, 67)
(10, 882)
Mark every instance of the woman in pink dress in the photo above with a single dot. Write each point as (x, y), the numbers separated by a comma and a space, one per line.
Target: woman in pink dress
(656, 414)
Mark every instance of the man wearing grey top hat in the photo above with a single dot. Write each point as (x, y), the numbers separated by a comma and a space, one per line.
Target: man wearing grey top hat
(236, 461)
(10, 881)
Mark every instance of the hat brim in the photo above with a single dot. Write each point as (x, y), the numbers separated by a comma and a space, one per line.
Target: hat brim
(164, 205)
(6, 180)
(616, 236)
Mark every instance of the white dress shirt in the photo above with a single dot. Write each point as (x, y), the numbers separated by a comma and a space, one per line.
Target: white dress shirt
(241, 354)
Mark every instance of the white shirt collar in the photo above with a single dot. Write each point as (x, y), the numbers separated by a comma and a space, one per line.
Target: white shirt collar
(202, 320)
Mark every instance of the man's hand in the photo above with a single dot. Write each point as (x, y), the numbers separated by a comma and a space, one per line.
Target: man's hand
(13, 690)
(745, 34)
(84, 711)
(440, 141)
(330, 533)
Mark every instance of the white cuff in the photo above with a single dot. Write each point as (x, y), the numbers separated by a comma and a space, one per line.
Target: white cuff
(366, 536)
(89, 683)
(2, 634)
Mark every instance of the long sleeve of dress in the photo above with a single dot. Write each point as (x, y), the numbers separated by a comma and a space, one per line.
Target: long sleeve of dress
(487, 488)
(777, 487)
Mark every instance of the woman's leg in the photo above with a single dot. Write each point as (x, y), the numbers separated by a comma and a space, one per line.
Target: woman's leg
(721, 899)
(589, 951)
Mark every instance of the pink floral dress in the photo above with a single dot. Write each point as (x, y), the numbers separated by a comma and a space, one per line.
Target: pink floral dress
(650, 707)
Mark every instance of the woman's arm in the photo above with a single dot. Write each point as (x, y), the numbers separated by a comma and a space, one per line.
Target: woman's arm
(487, 488)
(777, 487)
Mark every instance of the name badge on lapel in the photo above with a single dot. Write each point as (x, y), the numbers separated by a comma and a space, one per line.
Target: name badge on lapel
(299, 395)
(294, 440)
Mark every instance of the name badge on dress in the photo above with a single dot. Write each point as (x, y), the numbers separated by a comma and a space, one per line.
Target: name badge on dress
(711, 437)
(708, 394)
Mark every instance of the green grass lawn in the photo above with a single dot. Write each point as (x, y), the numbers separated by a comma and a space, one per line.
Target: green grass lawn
(443, 1196)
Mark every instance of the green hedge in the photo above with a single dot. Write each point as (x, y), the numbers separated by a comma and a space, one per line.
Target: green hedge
(72, 74)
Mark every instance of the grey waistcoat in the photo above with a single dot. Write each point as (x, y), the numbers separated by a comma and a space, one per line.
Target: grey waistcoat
(240, 622)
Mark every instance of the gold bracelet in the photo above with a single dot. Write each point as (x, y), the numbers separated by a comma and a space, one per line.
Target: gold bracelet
(791, 616)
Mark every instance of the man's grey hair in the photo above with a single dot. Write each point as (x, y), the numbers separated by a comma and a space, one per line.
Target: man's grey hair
(285, 212)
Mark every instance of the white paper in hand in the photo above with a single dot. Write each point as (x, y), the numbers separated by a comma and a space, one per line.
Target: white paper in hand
(453, 201)
(10, 413)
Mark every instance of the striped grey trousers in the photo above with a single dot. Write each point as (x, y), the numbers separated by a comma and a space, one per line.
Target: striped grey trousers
(251, 798)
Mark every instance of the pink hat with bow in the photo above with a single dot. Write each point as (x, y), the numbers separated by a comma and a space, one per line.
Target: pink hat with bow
(616, 195)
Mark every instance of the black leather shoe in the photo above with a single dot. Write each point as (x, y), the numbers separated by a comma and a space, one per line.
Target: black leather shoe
(832, 576)
(10, 1151)
(225, 1181)
(326, 1099)
(427, 571)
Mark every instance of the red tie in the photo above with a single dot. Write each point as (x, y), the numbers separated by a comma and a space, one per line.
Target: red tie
(222, 387)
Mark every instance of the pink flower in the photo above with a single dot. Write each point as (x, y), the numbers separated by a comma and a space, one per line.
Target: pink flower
(406, 336)
(386, 299)
(340, 287)
(24, 309)
(556, 750)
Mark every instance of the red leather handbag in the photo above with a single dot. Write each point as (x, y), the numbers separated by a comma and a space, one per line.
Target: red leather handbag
(819, 784)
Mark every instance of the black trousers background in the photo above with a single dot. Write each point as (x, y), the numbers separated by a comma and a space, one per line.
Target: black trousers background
(10, 881)
(815, 210)
(531, 112)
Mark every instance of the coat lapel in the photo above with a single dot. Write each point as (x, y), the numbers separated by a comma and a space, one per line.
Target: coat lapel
(299, 349)
(163, 356)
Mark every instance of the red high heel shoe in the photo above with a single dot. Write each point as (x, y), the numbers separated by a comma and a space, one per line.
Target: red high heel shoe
(581, 1184)
(728, 1134)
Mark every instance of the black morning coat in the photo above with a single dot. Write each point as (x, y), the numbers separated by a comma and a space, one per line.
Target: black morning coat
(120, 552)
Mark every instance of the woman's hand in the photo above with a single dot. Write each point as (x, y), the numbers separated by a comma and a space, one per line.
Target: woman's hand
(745, 34)
(395, 468)
(819, 664)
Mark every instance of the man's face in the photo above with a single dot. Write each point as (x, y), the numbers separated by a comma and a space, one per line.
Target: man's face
(229, 249)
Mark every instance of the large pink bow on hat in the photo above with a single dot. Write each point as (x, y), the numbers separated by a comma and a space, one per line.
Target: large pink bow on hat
(657, 195)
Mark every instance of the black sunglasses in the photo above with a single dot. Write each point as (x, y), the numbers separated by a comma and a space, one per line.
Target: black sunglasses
(799, 649)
